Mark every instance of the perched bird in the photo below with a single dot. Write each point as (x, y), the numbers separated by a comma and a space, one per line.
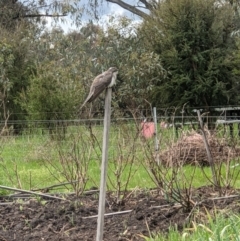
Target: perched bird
(100, 83)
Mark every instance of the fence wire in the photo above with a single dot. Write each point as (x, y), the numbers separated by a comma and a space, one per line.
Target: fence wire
(70, 145)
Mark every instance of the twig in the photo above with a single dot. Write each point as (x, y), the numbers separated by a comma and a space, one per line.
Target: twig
(31, 192)
(166, 206)
(192, 210)
(26, 195)
(2, 238)
(89, 192)
(148, 228)
(225, 197)
(208, 199)
(109, 214)
(8, 203)
(53, 186)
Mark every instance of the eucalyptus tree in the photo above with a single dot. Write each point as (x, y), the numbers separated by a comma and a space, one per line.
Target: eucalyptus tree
(67, 63)
(141, 8)
(55, 91)
(20, 26)
(139, 69)
(14, 11)
(16, 65)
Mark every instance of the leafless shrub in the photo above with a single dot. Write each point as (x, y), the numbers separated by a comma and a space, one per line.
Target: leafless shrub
(12, 174)
(74, 155)
(123, 162)
(171, 180)
(168, 173)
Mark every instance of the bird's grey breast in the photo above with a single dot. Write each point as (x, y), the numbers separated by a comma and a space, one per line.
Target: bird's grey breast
(113, 80)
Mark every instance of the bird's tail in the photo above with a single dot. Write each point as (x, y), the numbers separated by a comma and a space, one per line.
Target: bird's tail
(84, 103)
(80, 111)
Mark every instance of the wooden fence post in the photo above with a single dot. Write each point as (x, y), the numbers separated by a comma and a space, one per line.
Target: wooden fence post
(102, 194)
(210, 159)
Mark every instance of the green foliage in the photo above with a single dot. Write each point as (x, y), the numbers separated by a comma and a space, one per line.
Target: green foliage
(15, 68)
(67, 63)
(6, 57)
(6, 65)
(139, 69)
(194, 40)
(236, 69)
(56, 87)
(9, 11)
(18, 76)
(19, 40)
(50, 96)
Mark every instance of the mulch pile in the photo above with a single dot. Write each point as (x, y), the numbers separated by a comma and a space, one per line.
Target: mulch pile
(190, 149)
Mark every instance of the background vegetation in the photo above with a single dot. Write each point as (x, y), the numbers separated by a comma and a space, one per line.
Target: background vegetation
(183, 53)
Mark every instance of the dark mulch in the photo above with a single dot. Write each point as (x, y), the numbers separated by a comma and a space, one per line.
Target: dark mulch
(71, 219)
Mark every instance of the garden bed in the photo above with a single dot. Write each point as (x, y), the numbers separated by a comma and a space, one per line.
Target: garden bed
(143, 213)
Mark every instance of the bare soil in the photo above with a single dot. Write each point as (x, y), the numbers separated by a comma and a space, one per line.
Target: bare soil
(74, 219)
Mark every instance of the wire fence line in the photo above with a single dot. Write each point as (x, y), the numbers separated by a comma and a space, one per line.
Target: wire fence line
(126, 127)
(167, 113)
(169, 118)
(164, 118)
(64, 146)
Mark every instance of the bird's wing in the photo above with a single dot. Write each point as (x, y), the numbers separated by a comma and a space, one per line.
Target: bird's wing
(100, 83)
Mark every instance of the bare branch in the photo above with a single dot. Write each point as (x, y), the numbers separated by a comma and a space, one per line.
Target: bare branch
(148, 5)
(129, 7)
(31, 192)
(40, 15)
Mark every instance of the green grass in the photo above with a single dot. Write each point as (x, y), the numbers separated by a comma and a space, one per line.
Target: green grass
(220, 229)
(25, 159)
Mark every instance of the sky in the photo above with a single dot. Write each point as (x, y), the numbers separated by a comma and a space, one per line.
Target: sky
(106, 10)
